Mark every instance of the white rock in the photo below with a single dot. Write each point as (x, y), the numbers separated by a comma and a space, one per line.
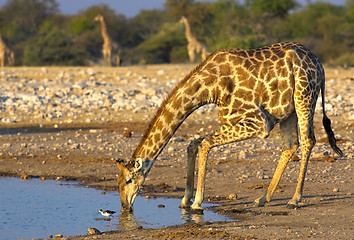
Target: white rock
(161, 72)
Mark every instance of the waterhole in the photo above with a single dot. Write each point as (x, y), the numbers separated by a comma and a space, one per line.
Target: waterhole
(36, 209)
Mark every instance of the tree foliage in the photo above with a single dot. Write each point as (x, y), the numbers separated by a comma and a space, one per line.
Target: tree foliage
(275, 8)
(41, 35)
(55, 47)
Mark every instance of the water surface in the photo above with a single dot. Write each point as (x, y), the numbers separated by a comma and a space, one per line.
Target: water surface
(37, 209)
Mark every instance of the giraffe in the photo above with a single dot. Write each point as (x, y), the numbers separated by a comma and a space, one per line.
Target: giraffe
(108, 44)
(6, 54)
(254, 90)
(194, 46)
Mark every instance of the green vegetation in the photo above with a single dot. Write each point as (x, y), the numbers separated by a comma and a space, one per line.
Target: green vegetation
(41, 35)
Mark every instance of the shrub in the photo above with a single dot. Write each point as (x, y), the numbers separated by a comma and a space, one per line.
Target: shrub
(54, 48)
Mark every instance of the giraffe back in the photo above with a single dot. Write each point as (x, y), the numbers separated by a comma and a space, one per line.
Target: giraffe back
(270, 77)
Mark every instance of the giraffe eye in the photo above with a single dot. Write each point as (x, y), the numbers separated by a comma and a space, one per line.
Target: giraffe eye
(128, 181)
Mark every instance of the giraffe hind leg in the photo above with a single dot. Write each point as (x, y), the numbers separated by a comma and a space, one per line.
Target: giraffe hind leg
(290, 143)
(305, 109)
(307, 143)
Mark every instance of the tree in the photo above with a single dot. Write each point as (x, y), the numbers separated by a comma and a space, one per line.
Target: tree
(274, 8)
(155, 36)
(177, 8)
(166, 46)
(23, 17)
(54, 48)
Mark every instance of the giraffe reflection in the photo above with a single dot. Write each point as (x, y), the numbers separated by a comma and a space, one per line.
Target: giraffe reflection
(169, 216)
(127, 221)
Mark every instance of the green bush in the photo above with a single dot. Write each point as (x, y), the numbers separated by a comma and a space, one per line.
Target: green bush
(346, 59)
(54, 48)
(40, 35)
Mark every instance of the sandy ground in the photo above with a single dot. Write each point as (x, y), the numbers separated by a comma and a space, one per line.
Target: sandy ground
(85, 151)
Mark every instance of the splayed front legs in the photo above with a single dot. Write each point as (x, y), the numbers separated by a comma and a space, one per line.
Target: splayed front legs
(202, 146)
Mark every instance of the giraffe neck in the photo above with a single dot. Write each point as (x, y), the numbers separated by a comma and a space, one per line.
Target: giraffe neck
(189, 35)
(104, 30)
(183, 100)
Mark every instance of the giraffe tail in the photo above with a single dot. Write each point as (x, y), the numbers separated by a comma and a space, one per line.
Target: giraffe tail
(327, 124)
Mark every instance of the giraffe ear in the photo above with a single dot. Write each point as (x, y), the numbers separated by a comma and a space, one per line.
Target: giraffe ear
(124, 171)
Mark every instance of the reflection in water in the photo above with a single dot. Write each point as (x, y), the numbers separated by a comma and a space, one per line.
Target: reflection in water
(127, 221)
(188, 216)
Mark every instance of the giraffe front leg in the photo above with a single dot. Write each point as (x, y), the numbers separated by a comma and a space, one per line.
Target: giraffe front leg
(225, 134)
(199, 195)
(192, 151)
(2, 59)
(109, 59)
(191, 54)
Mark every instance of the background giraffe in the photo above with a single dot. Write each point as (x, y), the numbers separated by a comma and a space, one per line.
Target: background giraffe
(254, 90)
(6, 54)
(109, 48)
(194, 46)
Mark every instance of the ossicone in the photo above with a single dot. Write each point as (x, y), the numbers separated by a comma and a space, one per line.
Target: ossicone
(120, 164)
(120, 161)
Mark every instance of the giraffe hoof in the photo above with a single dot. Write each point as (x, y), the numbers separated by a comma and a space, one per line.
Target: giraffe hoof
(197, 211)
(291, 206)
(186, 204)
(260, 202)
(257, 204)
(196, 207)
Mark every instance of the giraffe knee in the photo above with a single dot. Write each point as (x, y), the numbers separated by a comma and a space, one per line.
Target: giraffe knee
(204, 146)
(193, 146)
(309, 143)
(290, 145)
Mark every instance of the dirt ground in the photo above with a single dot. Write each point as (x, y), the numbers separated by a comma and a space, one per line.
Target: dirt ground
(85, 152)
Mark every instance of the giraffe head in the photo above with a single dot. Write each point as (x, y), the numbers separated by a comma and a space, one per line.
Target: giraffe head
(98, 18)
(183, 19)
(130, 180)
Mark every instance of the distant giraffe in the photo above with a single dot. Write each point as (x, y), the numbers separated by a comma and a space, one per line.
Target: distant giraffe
(6, 54)
(194, 46)
(254, 90)
(109, 48)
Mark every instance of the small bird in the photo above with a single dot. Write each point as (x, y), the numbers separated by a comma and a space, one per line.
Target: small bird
(107, 213)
